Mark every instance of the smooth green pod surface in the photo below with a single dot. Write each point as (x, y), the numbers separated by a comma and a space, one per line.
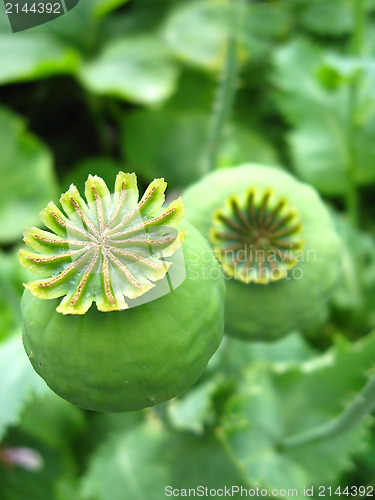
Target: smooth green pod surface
(135, 358)
(128, 303)
(272, 210)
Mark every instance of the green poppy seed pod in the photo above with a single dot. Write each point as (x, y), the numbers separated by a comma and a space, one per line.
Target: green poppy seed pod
(157, 321)
(276, 243)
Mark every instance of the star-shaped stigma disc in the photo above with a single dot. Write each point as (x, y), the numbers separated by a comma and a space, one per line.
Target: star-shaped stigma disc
(256, 238)
(106, 249)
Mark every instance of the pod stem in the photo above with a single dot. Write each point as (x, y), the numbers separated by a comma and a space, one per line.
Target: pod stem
(360, 407)
(352, 198)
(226, 89)
(161, 411)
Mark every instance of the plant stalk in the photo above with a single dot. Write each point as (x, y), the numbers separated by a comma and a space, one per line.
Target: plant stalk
(352, 198)
(362, 405)
(226, 90)
(161, 410)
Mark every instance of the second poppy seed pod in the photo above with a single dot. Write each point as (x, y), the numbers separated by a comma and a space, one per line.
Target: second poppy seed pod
(277, 245)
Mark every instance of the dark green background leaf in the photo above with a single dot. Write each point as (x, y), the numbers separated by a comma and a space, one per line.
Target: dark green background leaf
(135, 69)
(26, 189)
(276, 401)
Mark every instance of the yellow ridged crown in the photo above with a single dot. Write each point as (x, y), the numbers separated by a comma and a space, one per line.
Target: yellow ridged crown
(107, 249)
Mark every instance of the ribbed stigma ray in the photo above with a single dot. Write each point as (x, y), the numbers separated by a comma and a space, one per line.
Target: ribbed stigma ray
(107, 281)
(118, 207)
(99, 211)
(256, 238)
(144, 224)
(85, 278)
(72, 227)
(84, 218)
(60, 241)
(60, 277)
(136, 210)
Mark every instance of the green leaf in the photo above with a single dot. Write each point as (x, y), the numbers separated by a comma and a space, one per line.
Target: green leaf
(354, 299)
(196, 33)
(50, 474)
(67, 489)
(137, 69)
(364, 473)
(79, 31)
(261, 24)
(104, 425)
(104, 167)
(194, 410)
(187, 97)
(164, 143)
(295, 71)
(11, 277)
(267, 20)
(140, 465)
(171, 142)
(315, 96)
(320, 155)
(242, 145)
(237, 354)
(101, 8)
(27, 181)
(18, 382)
(52, 420)
(201, 461)
(278, 401)
(29, 56)
(332, 17)
(119, 468)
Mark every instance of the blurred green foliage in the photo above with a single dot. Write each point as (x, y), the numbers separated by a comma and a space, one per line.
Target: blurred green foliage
(131, 85)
